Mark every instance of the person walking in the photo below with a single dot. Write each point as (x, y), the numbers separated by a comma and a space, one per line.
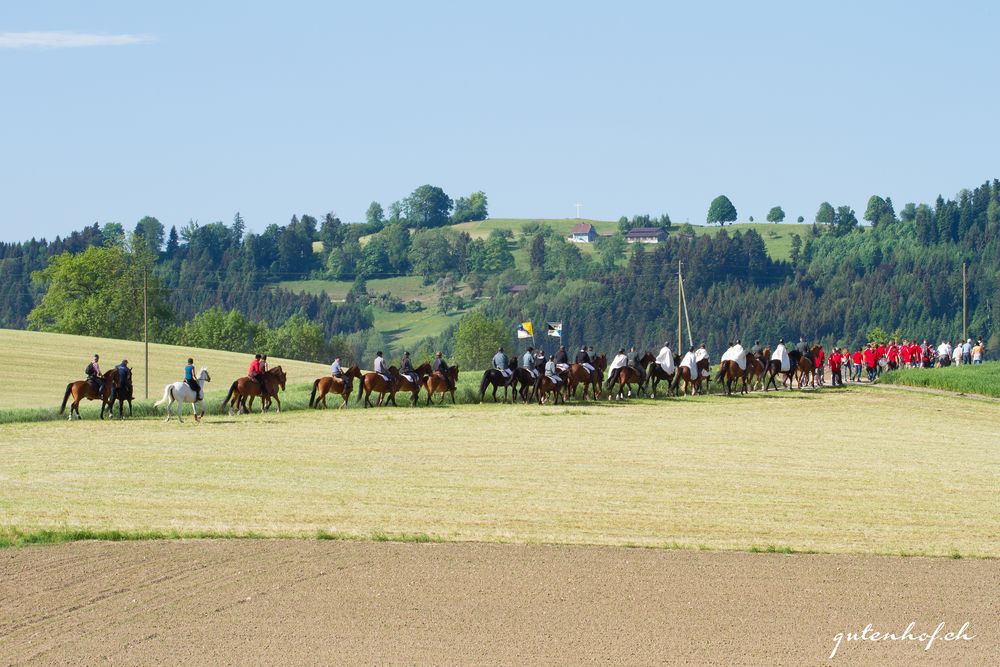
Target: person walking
(977, 352)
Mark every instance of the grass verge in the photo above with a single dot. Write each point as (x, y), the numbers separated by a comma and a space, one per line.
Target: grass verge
(982, 379)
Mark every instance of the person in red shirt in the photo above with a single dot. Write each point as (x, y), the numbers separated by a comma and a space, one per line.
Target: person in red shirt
(835, 360)
(820, 359)
(916, 354)
(255, 373)
(871, 361)
(904, 353)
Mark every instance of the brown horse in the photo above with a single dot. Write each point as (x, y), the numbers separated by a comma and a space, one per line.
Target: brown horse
(683, 374)
(547, 385)
(436, 383)
(82, 389)
(373, 382)
(342, 386)
(123, 392)
(404, 384)
(627, 376)
(730, 372)
(247, 387)
(577, 376)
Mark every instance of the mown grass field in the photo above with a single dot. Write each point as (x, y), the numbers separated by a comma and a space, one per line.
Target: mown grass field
(778, 473)
(46, 362)
(983, 379)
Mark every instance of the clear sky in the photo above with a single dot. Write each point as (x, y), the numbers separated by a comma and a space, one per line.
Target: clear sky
(196, 110)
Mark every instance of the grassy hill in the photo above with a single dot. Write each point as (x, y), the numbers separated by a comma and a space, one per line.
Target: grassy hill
(49, 361)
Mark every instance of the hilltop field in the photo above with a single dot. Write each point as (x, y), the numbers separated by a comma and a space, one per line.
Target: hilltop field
(405, 329)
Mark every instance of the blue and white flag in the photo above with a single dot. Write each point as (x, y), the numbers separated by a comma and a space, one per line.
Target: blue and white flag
(554, 329)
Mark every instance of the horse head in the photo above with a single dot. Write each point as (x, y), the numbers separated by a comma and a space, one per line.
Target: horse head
(353, 372)
(600, 362)
(647, 359)
(423, 369)
(203, 376)
(279, 374)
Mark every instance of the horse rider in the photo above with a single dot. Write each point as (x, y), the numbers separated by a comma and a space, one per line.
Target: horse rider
(617, 364)
(700, 353)
(665, 358)
(803, 347)
(124, 372)
(756, 350)
(583, 359)
(190, 379)
(380, 366)
(528, 362)
(335, 369)
(561, 358)
(552, 370)
(440, 366)
(257, 375)
(635, 362)
(406, 369)
(539, 361)
(94, 376)
(502, 363)
(263, 363)
(781, 354)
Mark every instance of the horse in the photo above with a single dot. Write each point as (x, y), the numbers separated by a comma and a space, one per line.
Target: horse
(82, 389)
(683, 373)
(372, 381)
(525, 380)
(655, 373)
(578, 375)
(436, 383)
(493, 376)
(403, 383)
(547, 386)
(122, 392)
(247, 387)
(181, 392)
(799, 365)
(730, 372)
(627, 376)
(342, 386)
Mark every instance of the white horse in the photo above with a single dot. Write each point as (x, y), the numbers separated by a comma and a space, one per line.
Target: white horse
(181, 393)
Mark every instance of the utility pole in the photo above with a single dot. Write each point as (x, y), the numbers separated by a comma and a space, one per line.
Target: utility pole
(679, 296)
(145, 323)
(965, 329)
(578, 211)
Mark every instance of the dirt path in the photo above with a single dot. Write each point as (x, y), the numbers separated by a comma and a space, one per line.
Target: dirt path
(233, 601)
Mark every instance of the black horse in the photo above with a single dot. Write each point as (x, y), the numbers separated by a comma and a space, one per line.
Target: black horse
(121, 392)
(655, 373)
(494, 377)
(525, 384)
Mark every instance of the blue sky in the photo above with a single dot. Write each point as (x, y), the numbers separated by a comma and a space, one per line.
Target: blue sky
(188, 110)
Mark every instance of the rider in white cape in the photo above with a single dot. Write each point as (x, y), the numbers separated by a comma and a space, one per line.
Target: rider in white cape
(691, 364)
(666, 359)
(738, 354)
(781, 354)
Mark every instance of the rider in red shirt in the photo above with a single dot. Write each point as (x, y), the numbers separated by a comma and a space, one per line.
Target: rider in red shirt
(256, 374)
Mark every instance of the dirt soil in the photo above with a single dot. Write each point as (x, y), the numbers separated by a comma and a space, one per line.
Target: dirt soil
(309, 602)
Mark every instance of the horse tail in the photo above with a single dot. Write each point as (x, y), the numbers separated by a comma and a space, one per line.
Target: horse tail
(69, 390)
(485, 381)
(361, 387)
(722, 371)
(232, 390)
(312, 396)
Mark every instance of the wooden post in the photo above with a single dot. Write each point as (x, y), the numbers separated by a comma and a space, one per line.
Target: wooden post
(965, 328)
(679, 296)
(145, 324)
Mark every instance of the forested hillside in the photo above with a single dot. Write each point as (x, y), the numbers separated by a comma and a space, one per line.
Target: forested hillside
(409, 277)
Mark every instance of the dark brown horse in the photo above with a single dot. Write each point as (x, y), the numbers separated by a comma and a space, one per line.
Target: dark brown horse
(800, 366)
(496, 378)
(547, 385)
(82, 389)
(404, 384)
(246, 387)
(578, 376)
(730, 373)
(436, 383)
(341, 386)
(655, 373)
(122, 392)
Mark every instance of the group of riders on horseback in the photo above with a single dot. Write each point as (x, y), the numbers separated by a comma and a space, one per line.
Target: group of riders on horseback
(536, 377)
